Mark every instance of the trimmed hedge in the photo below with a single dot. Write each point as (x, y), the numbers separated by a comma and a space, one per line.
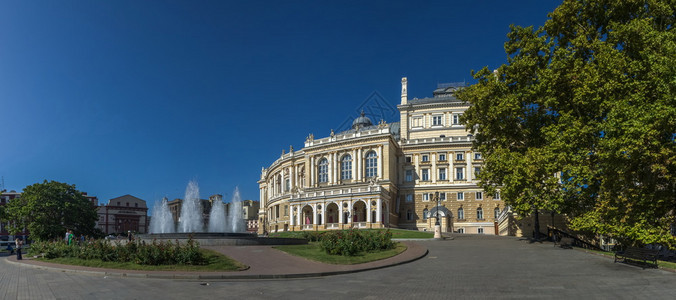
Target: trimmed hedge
(156, 253)
(352, 242)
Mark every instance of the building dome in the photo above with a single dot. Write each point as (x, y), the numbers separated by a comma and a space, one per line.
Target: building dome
(361, 122)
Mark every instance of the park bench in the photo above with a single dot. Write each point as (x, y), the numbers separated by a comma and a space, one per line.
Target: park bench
(647, 256)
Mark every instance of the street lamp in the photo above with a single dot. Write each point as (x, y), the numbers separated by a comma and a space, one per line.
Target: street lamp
(437, 225)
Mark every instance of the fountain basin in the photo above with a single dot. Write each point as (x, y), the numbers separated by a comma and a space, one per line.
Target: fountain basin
(221, 239)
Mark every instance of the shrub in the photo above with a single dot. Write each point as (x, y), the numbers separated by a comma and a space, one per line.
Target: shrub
(156, 253)
(352, 242)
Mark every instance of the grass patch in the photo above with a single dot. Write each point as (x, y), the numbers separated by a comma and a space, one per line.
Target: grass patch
(313, 252)
(216, 262)
(396, 234)
(660, 263)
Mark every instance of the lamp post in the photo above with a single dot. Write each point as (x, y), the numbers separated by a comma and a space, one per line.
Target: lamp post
(437, 225)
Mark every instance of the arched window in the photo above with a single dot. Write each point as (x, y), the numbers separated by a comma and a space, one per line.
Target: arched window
(346, 167)
(426, 214)
(371, 165)
(496, 212)
(323, 170)
(461, 214)
(480, 213)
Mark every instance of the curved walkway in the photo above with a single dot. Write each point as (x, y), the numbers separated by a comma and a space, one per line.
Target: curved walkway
(467, 267)
(264, 263)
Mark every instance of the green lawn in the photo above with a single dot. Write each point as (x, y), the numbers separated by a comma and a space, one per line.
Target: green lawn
(217, 262)
(396, 234)
(313, 252)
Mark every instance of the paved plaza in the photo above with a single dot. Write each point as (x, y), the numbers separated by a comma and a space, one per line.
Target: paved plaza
(468, 266)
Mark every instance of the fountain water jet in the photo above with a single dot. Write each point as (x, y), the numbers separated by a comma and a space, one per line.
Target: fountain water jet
(217, 217)
(191, 210)
(235, 213)
(162, 221)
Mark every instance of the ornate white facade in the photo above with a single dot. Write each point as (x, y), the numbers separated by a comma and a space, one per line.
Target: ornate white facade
(383, 175)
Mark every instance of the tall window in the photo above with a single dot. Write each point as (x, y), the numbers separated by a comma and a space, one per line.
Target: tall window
(456, 119)
(409, 175)
(480, 213)
(477, 171)
(426, 214)
(460, 173)
(461, 230)
(480, 230)
(442, 173)
(425, 174)
(426, 197)
(323, 170)
(497, 196)
(287, 185)
(442, 196)
(409, 197)
(442, 157)
(409, 215)
(346, 167)
(371, 164)
(459, 156)
(479, 196)
(496, 212)
(436, 120)
(461, 214)
(425, 157)
(477, 155)
(461, 196)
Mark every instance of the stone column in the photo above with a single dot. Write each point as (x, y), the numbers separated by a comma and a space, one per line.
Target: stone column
(299, 215)
(359, 165)
(354, 164)
(433, 171)
(468, 159)
(291, 220)
(314, 214)
(330, 169)
(340, 213)
(380, 161)
(417, 169)
(312, 172)
(379, 218)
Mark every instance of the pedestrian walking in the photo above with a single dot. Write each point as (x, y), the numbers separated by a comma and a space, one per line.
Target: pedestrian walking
(19, 244)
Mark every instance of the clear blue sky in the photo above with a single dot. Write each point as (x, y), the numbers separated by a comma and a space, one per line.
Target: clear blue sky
(139, 97)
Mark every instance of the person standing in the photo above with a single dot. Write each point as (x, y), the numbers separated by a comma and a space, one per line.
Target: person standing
(19, 244)
(70, 237)
(65, 239)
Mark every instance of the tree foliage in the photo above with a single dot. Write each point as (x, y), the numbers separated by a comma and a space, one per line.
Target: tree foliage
(582, 118)
(48, 209)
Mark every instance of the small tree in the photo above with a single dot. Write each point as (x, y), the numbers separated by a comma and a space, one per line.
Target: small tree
(47, 209)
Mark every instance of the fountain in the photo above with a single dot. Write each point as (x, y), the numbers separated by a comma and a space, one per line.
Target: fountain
(190, 219)
(162, 221)
(217, 217)
(191, 223)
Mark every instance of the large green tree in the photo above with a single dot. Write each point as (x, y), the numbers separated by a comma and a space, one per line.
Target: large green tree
(582, 118)
(47, 209)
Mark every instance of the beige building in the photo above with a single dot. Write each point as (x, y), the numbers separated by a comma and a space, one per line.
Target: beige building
(122, 214)
(383, 175)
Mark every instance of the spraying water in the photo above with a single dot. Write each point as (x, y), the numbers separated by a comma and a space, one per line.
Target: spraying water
(235, 213)
(191, 210)
(162, 221)
(217, 217)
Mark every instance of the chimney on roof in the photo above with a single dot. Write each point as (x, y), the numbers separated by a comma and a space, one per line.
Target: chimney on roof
(404, 92)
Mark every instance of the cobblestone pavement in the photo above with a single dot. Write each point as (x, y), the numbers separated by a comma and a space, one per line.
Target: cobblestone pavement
(469, 266)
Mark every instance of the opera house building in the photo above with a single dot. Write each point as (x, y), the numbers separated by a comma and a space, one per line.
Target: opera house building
(402, 175)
